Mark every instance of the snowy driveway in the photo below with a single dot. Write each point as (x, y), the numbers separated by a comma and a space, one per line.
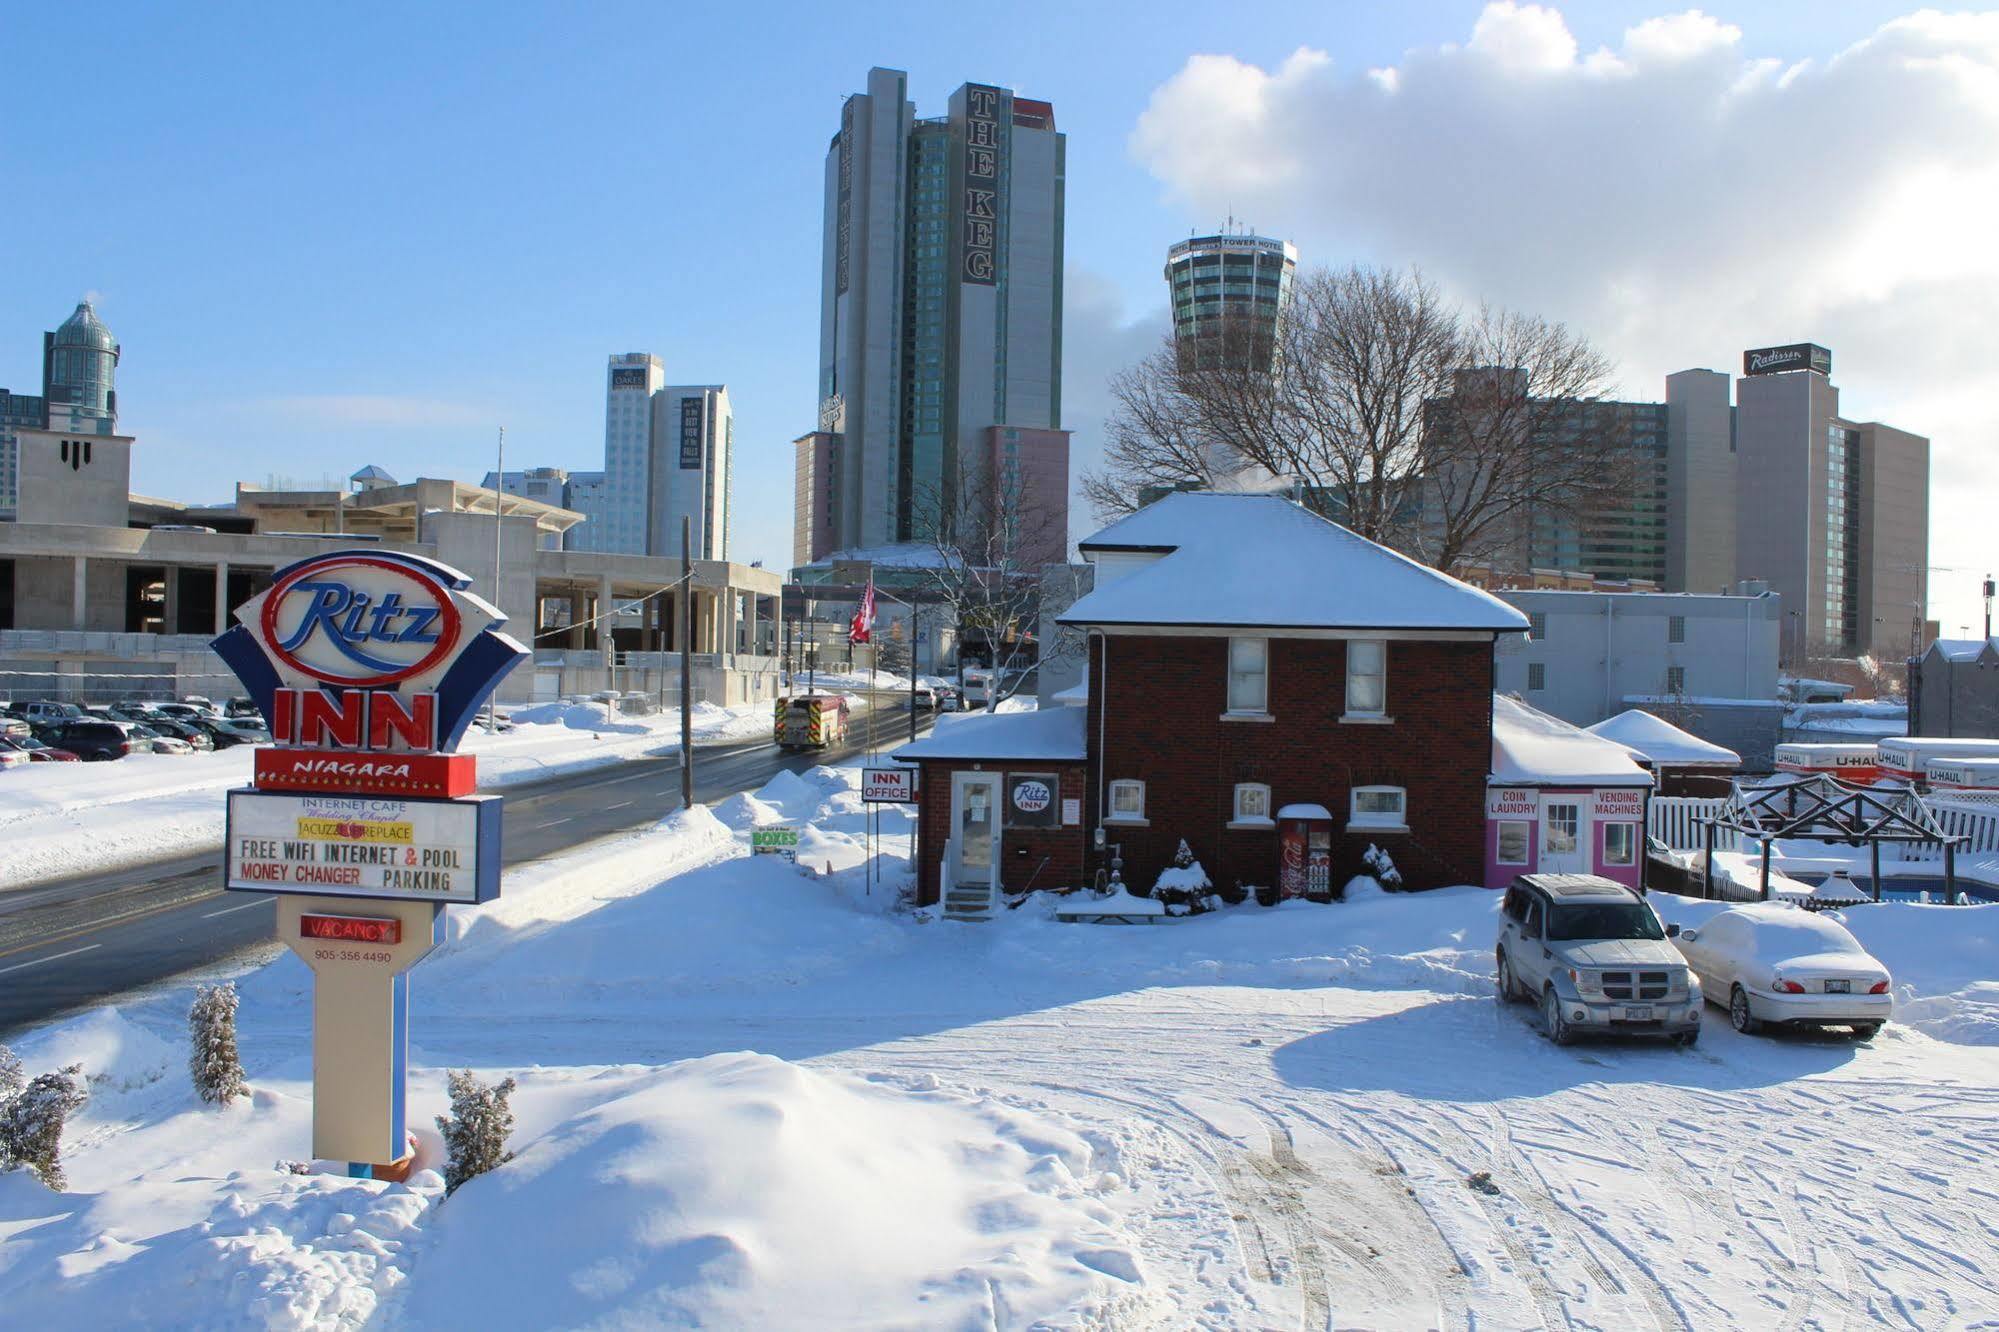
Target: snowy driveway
(1287, 1109)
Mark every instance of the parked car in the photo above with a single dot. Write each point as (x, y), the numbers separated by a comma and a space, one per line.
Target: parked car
(180, 729)
(948, 700)
(1772, 963)
(44, 711)
(226, 733)
(190, 709)
(93, 741)
(156, 740)
(241, 708)
(11, 757)
(1596, 958)
(35, 749)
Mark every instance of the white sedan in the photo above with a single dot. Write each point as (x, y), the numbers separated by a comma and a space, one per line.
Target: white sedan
(1771, 962)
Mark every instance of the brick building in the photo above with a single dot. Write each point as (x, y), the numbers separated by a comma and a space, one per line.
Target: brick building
(1262, 683)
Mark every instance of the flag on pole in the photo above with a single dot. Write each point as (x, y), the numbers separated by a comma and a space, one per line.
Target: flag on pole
(863, 627)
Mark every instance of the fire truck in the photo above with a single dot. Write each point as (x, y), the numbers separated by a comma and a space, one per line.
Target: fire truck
(811, 721)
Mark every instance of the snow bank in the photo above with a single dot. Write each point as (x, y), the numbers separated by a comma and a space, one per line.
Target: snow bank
(742, 1191)
(258, 1249)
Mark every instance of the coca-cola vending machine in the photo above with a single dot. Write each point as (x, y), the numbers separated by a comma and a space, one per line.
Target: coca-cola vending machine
(1305, 852)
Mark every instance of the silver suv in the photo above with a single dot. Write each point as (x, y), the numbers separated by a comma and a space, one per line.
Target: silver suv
(1594, 956)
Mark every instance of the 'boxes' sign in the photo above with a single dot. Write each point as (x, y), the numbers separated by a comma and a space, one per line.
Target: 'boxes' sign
(1795, 356)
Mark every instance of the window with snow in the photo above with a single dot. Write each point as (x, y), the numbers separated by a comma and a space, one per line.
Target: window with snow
(1512, 843)
(1381, 807)
(1249, 674)
(1620, 843)
(1252, 803)
(1127, 801)
(1367, 677)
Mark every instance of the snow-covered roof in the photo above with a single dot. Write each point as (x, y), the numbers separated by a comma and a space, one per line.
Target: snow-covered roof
(897, 555)
(1261, 561)
(1963, 649)
(1659, 741)
(1050, 733)
(1531, 748)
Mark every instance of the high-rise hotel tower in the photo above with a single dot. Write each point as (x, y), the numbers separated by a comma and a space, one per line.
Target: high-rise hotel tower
(940, 314)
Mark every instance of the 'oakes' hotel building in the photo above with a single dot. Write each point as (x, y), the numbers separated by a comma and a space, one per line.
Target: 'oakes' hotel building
(1261, 682)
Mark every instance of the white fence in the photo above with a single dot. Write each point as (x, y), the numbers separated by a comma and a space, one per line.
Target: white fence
(1671, 820)
(1976, 821)
(1975, 818)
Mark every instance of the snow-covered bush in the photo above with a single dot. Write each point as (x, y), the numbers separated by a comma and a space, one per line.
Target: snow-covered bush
(1183, 886)
(213, 1063)
(475, 1132)
(31, 1123)
(11, 1076)
(1382, 868)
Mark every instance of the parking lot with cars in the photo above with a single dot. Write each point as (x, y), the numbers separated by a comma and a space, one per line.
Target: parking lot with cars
(57, 731)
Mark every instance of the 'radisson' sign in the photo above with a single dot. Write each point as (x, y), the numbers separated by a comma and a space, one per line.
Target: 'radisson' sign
(1794, 356)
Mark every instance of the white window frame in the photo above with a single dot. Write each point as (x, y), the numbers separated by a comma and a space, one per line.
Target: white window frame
(1526, 828)
(1676, 685)
(1261, 711)
(1238, 819)
(1379, 714)
(1111, 814)
(1631, 856)
(1676, 628)
(1374, 820)
(1537, 626)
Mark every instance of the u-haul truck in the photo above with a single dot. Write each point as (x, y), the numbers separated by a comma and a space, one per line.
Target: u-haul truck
(1906, 758)
(1964, 774)
(1848, 762)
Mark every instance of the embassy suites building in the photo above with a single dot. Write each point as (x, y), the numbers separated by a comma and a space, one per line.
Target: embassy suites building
(940, 332)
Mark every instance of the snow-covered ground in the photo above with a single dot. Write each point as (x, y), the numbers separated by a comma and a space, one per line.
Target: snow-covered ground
(754, 1097)
(60, 819)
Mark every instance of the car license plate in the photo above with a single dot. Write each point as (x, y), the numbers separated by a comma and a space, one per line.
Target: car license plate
(1839, 987)
(1638, 1013)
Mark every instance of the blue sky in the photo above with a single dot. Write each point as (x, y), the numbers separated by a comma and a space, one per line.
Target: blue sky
(335, 235)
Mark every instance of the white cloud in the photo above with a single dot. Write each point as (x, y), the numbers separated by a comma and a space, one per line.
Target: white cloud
(1673, 197)
(1523, 39)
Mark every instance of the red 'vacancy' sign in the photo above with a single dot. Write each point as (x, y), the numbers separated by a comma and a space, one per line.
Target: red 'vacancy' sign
(357, 929)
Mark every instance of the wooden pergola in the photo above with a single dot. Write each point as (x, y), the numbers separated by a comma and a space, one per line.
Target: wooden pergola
(1824, 809)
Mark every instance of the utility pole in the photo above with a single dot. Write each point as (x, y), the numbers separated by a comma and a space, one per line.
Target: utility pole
(687, 663)
(499, 533)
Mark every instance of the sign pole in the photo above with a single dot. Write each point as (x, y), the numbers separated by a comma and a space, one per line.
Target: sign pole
(499, 488)
(687, 664)
(370, 665)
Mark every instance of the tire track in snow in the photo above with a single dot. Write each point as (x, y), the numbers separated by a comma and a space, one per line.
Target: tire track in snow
(1635, 1276)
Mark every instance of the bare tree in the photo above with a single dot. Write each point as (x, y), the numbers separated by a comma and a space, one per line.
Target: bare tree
(987, 551)
(1525, 433)
(1383, 406)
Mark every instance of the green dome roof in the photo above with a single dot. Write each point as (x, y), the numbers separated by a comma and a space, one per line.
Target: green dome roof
(84, 329)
